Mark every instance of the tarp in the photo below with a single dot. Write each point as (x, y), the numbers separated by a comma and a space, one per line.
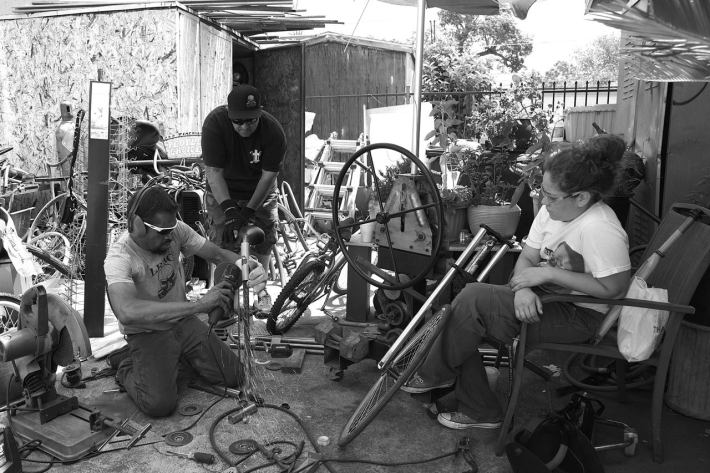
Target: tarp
(466, 7)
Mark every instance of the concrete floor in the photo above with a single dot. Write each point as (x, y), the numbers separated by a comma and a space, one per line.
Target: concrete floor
(402, 432)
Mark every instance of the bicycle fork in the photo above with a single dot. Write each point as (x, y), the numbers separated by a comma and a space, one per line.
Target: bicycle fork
(472, 266)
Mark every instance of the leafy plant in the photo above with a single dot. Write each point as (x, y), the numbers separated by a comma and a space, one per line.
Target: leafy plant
(459, 196)
(512, 118)
(489, 175)
(444, 113)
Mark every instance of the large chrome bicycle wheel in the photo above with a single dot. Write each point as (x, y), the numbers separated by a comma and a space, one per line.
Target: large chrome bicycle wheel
(393, 376)
(303, 288)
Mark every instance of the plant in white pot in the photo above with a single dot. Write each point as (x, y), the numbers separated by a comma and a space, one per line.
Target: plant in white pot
(493, 182)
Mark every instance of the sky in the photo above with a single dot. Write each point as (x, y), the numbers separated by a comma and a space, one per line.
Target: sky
(557, 27)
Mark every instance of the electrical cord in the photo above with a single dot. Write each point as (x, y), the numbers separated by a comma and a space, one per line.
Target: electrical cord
(686, 102)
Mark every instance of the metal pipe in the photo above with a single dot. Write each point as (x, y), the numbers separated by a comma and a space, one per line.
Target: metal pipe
(418, 71)
(412, 325)
(496, 258)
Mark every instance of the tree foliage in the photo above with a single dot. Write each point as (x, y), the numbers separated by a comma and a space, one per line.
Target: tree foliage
(495, 35)
(598, 61)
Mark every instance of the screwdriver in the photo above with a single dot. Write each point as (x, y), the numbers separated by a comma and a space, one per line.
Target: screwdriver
(199, 457)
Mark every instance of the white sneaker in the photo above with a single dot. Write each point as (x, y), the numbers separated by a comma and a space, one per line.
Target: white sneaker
(263, 303)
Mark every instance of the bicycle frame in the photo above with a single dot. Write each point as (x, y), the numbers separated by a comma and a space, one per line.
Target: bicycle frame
(445, 281)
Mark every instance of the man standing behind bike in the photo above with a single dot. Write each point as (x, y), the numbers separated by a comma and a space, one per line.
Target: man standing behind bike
(243, 148)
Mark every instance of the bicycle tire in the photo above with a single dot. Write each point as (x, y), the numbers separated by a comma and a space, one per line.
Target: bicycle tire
(393, 376)
(54, 243)
(50, 260)
(340, 287)
(276, 323)
(47, 218)
(9, 312)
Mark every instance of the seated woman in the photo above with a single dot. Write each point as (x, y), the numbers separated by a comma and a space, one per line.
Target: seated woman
(576, 245)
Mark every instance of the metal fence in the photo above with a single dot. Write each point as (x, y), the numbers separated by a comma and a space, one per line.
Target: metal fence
(344, 113)
(577, 94)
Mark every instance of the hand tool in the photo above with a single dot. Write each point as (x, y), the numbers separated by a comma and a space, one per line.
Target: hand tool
(198, 457)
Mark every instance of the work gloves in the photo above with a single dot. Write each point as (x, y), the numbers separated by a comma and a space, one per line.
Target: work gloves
(235, 218)
(257, 276)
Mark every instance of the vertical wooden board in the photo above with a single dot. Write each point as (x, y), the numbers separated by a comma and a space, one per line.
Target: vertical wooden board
(688, 142)
(278, 76)
(215, 68)
(188, 70)
(331, 69)
(47, 60)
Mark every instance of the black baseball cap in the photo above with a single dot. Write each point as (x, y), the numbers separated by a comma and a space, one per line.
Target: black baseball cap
(244, 103)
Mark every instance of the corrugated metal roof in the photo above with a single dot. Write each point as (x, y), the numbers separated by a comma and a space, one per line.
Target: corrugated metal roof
(668, 40)
(248, 17)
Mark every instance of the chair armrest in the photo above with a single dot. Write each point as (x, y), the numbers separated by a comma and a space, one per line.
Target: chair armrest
(684, 309)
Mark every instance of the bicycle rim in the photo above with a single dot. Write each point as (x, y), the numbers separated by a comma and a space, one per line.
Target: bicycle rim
(393, 376)
(9, 312)
(54, 243)
(293, 300)
(49, 219)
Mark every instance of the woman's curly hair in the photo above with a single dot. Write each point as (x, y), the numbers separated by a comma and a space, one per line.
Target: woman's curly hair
(592, 165)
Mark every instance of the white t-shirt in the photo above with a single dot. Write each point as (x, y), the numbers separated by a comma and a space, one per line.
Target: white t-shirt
(157, 277)
(593, 243)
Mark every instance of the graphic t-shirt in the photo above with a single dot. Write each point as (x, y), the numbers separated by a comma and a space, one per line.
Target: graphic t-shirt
(242, 159)
(593, 243)
(156, 277)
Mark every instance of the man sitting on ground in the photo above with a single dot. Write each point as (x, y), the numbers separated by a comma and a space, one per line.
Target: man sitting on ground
(146, 287)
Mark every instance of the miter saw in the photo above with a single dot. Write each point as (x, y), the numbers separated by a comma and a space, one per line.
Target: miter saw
(51, 334)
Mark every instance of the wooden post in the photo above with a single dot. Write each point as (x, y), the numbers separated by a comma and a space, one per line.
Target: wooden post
(97, 212)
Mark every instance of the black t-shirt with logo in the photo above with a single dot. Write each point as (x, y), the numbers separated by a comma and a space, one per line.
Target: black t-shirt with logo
(242, 159)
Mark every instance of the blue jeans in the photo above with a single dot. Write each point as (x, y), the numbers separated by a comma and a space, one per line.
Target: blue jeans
(150, 374)
(487, 311)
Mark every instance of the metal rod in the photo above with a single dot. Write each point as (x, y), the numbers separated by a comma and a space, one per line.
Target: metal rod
(496, 258)
(448, 277)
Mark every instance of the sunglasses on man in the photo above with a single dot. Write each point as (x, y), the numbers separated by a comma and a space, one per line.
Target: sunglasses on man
(162, 230)
(248, 121)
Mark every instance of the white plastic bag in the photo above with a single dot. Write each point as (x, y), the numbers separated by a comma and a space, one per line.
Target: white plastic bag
(640, 329)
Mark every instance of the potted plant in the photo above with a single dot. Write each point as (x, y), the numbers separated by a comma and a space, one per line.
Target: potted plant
(491, 177)
(456, 201)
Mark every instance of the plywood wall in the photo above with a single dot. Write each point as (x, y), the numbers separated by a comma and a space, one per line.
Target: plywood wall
(46, 60)
(204, 71)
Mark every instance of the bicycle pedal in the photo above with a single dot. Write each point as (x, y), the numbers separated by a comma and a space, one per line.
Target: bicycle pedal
(221, 332)
(290, 265)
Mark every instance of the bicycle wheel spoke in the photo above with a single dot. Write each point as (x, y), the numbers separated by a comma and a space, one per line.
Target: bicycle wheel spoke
(394, 375)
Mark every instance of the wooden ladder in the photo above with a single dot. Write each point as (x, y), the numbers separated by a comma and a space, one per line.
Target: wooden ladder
(320, 199)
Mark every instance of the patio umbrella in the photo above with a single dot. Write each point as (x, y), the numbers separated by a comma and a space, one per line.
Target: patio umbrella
(468, 7)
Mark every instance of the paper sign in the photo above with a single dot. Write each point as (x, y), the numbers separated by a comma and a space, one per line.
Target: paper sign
(99, 106)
